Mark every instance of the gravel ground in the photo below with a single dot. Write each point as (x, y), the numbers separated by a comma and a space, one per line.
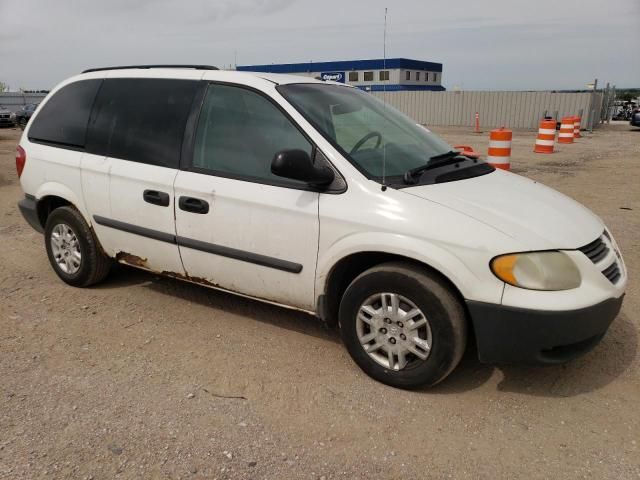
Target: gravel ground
(148, 377)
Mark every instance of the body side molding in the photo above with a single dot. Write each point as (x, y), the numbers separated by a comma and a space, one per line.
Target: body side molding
(214, 249)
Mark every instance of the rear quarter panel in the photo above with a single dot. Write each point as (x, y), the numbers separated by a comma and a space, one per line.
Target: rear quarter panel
(53, 171)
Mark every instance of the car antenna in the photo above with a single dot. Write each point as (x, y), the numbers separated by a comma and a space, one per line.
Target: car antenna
(384, 99)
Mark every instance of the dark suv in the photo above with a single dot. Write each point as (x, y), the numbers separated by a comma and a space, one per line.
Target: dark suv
(24, 114)
(6, 117)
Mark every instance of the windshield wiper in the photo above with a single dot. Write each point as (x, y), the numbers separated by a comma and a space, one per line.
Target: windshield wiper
(412, 175)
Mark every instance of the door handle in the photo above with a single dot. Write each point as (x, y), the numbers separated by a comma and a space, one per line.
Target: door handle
(193, 205)
(156, 198)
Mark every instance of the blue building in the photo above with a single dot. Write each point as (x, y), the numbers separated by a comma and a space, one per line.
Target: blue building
(391, 74)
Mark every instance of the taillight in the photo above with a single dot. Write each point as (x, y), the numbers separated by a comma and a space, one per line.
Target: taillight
(21, 159)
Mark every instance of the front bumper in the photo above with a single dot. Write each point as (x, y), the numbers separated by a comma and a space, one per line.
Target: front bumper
(507, 334)
(29, 210)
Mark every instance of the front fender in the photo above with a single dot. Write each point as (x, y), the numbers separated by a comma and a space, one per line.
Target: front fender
(467, 269)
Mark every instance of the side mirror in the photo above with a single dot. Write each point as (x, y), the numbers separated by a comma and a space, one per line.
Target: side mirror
(297, 165)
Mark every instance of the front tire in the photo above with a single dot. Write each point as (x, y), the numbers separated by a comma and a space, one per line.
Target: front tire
(403, 325)
(73, 249)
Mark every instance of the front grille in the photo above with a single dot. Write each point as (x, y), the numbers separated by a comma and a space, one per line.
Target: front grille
(595, 250)
(4, 116)
(612, 272)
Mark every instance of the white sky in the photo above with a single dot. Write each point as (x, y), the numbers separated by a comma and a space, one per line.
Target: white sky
(488, 44)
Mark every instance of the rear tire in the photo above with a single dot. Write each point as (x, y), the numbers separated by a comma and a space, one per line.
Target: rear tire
(73, 249)
(419, 344)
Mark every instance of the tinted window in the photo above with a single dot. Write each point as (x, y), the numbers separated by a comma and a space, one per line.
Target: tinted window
(348, 115)
(63, 119)
(141, 119)
(368, 76)
(239, 133)
(384, 75)
(353, 76)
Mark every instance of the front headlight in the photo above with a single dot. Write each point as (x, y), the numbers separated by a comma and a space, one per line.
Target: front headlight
(537, 270)
(12, 116)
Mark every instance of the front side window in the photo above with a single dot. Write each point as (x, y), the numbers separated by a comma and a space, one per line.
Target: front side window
(240, 131)
(368, 132)
(368, 76)
(63, 119)
(141, 119)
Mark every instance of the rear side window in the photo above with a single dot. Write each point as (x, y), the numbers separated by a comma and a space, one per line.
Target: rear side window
(141, 119)
(63, 119)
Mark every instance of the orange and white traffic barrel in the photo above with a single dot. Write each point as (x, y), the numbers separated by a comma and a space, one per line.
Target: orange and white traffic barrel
(499, 154)
(546, 137)
(566, 130)
(576, 126)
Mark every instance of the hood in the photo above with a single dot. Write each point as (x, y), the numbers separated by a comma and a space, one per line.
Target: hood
(535, 215)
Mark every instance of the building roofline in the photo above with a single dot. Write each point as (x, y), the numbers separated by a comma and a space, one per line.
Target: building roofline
(344, 65)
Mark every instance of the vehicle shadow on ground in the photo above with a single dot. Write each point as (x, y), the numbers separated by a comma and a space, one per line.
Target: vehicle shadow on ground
(610, 359)
(123, 276)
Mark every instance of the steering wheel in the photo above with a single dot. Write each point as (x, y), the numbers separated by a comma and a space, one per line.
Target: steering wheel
(363, 140)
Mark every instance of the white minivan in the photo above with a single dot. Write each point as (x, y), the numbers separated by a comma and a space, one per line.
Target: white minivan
(316, 196)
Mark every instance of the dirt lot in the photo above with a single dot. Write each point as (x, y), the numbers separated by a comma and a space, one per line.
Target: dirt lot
(148, 377)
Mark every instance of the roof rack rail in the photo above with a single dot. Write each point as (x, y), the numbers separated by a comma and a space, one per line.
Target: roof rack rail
(124, 67)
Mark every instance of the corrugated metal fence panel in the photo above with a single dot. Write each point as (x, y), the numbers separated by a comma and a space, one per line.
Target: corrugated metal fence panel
(597, 107)
(15, 101)
(496, 109)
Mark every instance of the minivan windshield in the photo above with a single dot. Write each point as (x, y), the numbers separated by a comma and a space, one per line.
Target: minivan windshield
(368, 132)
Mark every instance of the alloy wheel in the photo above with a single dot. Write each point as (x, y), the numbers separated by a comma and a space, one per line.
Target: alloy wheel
(393, 331)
